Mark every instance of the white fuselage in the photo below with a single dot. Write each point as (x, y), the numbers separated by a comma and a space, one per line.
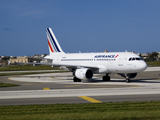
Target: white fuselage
(106, 62)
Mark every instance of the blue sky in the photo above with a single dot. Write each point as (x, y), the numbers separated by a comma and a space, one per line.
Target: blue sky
(79, 25)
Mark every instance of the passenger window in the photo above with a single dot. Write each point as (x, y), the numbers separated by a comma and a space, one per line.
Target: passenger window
(133, 58)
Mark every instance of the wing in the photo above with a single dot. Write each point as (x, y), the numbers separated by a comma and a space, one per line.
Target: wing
(72, 68)
(48, 61)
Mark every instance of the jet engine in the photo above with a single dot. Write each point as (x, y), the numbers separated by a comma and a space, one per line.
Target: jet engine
(130, 75)
(83, 73)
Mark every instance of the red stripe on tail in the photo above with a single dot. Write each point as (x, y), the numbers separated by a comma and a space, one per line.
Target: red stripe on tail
(50, 46)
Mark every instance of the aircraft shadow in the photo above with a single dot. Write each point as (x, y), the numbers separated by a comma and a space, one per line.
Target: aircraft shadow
(149, 80)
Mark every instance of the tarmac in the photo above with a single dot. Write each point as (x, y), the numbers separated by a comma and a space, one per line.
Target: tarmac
(56, 88)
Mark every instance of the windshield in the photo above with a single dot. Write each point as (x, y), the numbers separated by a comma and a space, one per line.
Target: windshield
(135, 58)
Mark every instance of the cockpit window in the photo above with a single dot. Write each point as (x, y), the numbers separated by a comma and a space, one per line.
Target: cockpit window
(138, 59)
(135, 58)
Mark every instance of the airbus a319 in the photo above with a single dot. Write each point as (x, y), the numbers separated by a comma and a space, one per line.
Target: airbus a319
(85, 65)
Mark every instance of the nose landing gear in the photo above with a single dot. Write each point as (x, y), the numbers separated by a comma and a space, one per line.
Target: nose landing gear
(127, 78)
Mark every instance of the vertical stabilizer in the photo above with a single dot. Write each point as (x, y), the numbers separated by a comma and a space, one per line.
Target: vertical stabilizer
(53, 44)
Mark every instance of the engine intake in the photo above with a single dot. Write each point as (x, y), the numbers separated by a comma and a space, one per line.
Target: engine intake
(83, 73)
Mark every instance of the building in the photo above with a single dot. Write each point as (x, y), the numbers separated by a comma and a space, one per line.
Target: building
(3, 62)
(159, 55)
(24, 60)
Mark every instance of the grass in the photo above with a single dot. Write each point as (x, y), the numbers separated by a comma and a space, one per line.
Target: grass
(7, 85)
(153, 63)
(26, 67)
(99, 111)
(26, 73)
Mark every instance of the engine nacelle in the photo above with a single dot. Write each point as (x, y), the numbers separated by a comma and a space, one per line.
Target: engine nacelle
(83, 73)
(130, 75)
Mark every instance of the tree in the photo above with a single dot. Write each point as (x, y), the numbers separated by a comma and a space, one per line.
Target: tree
(152, 56)
(6, 58)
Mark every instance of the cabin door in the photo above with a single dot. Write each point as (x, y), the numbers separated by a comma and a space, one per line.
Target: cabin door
(120, 60)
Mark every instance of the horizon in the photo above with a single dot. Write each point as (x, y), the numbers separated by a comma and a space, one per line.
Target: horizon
(72, 53)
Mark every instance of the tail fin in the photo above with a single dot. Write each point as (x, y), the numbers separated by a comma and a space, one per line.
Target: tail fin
(53, 44)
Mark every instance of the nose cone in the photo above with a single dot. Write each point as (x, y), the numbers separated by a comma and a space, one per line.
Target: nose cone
(142, 66)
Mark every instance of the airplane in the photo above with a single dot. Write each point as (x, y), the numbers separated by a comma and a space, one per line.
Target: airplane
(85, 65)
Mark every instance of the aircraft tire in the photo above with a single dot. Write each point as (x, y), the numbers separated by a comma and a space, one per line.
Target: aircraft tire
(128, 80)
(108, 78)
(104, 78)
(76, 79)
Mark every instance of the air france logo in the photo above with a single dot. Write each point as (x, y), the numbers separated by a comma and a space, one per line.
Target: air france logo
(106, 56)
(116, 56)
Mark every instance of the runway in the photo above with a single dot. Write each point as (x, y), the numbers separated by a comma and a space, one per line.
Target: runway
(56, 88)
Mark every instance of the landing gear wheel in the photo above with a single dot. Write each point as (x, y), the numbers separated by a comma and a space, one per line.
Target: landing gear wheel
(79, 80)
(76, 79)
(106, 78)
(128, 80)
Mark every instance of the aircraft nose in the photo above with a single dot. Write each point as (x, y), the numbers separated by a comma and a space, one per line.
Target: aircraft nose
(143, 65)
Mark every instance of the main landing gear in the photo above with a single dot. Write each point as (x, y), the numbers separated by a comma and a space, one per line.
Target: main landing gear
(106, 78)
(76, 79)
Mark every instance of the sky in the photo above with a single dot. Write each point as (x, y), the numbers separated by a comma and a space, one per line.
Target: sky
(79, 26)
